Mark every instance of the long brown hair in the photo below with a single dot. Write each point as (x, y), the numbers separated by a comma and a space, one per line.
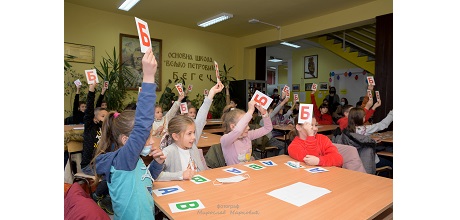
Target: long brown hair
(229, 117)
(115, 125)
(355, 118)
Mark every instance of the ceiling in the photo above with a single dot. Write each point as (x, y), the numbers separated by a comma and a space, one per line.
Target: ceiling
(188, 13)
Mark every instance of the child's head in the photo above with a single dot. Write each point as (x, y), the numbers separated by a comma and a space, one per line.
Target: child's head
(115, 130)
(191, 111)
(275, 91)
(326, 101)
(182, 130)
(231, 118)
(346, 110)
(270, 110)
(300, 130)
(343, 101)
(296, 105)
(99, 114)
(234, 102)
(82, 106)
(158, 112)
(104, 104)
(323, 108)
(356, 117)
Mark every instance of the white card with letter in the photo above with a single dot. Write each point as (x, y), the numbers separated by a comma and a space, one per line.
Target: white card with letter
(106, 84)
(179, 88)
(189, 88)
(77, 82)
(183, 108)
(186, 206)
(377, 95)
(216, 66)
(369, 94)
(314, 86)
(144, 35)
(268, 163)
(370, 80)
(262, 99)
(305, 113)
(233, 170)
(296, 97)
(168, 190)
(91, 76)
(316, 170)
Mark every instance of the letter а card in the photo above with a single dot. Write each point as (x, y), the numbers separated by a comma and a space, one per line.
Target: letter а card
(316, 170)
(144, 35)
(262, 99)
(268, 163)
(305, 113)
(168, 190)
(91, 76)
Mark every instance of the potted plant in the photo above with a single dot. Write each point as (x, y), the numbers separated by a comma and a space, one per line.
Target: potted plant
(70, 75)
(118, 76)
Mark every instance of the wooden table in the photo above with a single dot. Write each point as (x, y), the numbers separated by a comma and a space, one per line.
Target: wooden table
(321, 128)
(386, 136)
(218, 130)
(354, 195)
(213, 122)
(73, 127)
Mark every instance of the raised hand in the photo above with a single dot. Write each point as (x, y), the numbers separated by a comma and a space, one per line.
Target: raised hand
(92, 87)
(215, 89)
(261, 109)
(251, 105)
(149, 66)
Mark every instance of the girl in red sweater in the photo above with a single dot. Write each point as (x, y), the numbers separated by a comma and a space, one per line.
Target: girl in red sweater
(321, 114)
(312, 148)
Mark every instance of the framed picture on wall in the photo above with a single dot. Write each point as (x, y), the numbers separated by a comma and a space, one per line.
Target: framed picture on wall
(308, 86)
(295, 87)
(323, 86)
(310, 67)
(131, 57)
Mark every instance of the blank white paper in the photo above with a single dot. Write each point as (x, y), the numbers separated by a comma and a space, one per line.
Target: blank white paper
(299, 193)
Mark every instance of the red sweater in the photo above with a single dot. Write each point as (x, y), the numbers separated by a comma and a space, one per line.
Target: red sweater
(322, 119)
(343, 121)
(319, 146)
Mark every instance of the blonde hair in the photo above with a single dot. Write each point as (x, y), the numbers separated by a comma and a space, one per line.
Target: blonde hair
(229, 117)
(179, 123)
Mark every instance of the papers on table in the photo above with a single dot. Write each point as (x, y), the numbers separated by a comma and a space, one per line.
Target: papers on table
(78, 128)
(299, 193)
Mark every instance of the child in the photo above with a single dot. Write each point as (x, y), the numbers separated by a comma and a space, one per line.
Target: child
(192, 111)
(159, 125)
(343, 122)
(125, 136)
(79, 108)
(312, 148)
(100, 100)
(357, 134)
(272, 141)
(237, 136)
(92, 132)
(321, 114)
(183, 155)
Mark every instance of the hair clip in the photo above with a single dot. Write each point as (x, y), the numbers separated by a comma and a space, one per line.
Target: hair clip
(116, 114)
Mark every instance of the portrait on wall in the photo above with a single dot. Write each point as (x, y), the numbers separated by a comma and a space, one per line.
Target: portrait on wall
(311, 67)
(131, 58)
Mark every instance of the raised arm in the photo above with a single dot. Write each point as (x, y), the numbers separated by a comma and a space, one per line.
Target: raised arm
(101, 97)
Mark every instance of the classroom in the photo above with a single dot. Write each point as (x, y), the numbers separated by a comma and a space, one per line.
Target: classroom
(344, 46)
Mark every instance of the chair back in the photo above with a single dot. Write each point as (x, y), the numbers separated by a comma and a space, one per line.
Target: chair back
(215, 157)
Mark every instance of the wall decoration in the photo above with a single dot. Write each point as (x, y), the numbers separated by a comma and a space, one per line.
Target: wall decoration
(131, 57)
(323, 86)
(308, 86)
(311, 67)
(79, 53)
(295, 87)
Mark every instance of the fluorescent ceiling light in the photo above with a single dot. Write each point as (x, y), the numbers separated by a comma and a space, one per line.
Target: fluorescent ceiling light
(275, 60)
(272, 67)
(216, 19)
(128, 4)
(290, 45)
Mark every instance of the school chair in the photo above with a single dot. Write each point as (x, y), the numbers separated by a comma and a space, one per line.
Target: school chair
(87, 179)
(215, 157)
(261, 145)
(387, 169)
